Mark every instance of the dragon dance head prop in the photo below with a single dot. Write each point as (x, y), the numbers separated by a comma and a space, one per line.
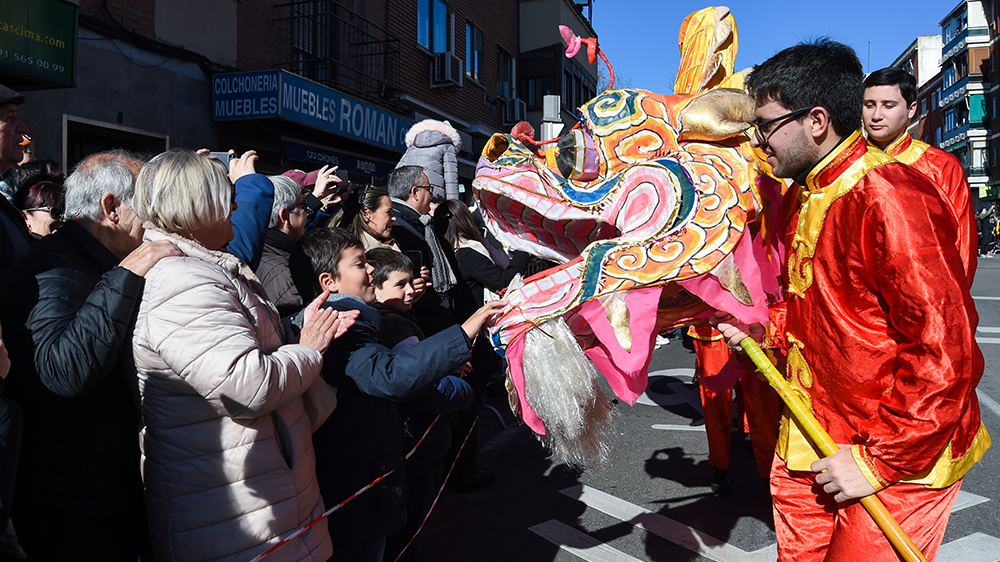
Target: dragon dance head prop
(645, 207)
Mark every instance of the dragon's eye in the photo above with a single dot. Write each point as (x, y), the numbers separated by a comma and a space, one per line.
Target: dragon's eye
(577, 156)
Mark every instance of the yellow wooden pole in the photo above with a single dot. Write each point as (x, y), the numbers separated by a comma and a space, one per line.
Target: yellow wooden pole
(885, 521)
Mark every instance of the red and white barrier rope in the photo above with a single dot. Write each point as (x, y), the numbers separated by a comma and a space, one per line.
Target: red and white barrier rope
(438, 496)
(373, 482)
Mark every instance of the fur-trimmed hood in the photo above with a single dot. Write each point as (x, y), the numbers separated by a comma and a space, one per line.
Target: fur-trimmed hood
(442, 127)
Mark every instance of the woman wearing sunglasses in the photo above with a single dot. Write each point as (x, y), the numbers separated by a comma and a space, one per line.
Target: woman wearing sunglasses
(42, 208)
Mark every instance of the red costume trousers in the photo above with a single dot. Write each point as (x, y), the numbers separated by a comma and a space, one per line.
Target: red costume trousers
(761, 404)
(812, 527)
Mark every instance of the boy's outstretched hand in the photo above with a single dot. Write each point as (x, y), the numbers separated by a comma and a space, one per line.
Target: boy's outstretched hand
(485, 316)
(463, 371)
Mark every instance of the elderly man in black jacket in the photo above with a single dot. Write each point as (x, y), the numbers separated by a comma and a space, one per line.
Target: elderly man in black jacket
(68, 309)
(449, 302)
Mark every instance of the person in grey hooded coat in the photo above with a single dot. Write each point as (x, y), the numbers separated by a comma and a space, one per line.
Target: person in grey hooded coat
(434, 146)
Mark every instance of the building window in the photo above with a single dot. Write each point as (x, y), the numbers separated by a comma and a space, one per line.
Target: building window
(923, 106)
(473, 52)
(937, 137)
(310, 41)
(949, 119)
(433, 29)
(979, 158)
(505, 75)
(949, 77)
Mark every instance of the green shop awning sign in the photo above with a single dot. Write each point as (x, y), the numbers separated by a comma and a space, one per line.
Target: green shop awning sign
(38, 43)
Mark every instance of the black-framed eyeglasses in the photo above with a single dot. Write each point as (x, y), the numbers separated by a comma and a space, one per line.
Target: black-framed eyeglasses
(763, 131)
(427, 187)
(302, 205)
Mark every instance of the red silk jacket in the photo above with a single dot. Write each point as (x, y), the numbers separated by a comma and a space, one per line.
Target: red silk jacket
(880, 322)
(946, 173)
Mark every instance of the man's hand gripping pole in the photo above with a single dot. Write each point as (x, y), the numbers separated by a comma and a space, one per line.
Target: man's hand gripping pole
(885, 521)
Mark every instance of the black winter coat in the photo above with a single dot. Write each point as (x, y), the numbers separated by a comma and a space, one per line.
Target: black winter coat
(430, 311)
(67, 314)
(363, 437)
(479, 271)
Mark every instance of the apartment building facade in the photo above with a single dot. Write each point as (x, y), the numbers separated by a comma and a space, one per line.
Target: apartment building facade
(303, 82)
(964, 87)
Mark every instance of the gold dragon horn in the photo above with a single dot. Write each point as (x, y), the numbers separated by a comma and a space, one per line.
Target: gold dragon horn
(708, 42)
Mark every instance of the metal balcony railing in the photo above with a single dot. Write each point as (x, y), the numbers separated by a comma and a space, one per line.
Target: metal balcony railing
(329, 43)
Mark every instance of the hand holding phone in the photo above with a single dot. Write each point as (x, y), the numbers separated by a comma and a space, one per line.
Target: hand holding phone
(417, 258)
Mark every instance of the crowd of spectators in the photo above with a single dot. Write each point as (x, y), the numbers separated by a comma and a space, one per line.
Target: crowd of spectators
(198, 360)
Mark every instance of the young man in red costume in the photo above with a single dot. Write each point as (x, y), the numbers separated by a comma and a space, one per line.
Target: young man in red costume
(890, 103)
(721, 372)
(880, 322)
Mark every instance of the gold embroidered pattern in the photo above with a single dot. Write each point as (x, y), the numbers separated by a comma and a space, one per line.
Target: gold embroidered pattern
(793, 446)
(816, 201)
(512, 400)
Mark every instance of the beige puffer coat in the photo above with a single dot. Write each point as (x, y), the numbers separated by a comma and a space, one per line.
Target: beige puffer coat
(227, 458)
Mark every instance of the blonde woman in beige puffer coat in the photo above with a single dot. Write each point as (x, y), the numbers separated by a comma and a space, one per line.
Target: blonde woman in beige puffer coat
(227, 457)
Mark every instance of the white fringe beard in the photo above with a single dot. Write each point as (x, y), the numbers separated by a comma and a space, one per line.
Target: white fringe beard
(560, 386)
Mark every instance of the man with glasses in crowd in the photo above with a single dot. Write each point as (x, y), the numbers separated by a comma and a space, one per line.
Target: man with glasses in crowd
(448, 301)
(414, 231)
(890, 103)
(880, 322)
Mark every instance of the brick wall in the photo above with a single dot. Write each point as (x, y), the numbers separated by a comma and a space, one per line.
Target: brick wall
(259, 38)
(261, 43)
(498, 22)
(134, 15)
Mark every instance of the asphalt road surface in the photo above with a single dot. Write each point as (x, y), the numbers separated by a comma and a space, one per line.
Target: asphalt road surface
(652, 502)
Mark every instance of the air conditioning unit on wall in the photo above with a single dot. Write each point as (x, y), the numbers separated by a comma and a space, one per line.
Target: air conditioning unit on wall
(514, 110)
(446, 70)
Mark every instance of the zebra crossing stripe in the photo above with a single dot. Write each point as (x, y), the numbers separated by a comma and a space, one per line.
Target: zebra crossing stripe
(977, 547)
(665, 527)
(578, 543)
(967, 499)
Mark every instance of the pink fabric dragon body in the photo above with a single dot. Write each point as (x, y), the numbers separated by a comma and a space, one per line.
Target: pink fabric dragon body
(647, 216)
